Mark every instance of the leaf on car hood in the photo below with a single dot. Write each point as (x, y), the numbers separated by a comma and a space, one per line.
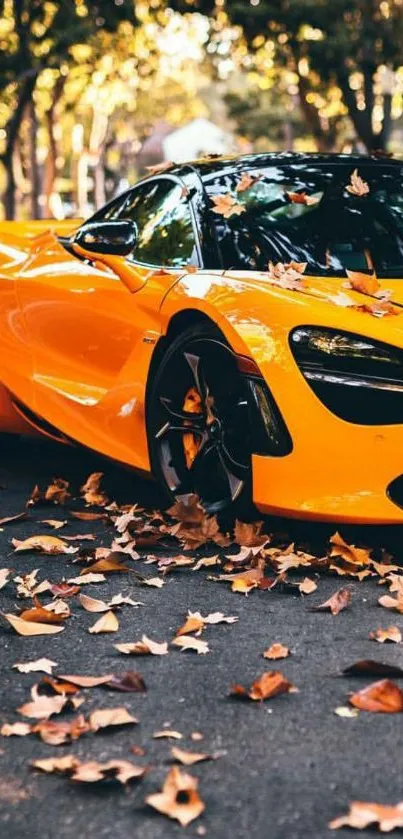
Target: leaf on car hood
(364, 283)
(91, 492)
(336, 603)
(392, 633)
(179, 798)
(267, 685)
(383, 696)
(144, 647)
(107, 623)
(362, 814)
(28, 628)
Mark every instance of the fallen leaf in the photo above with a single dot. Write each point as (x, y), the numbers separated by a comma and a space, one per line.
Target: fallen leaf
(86, 681)
(194, 623)
(41, 665)
(56, 524)
(87, 578)
(336, 603)
(57, 733)
(38, 614)
(178, 798)
(357, 186)
(364, 813)
(368, 667)
(128, 682)
(189, 758)
(64, 589)
(57, 491)
(106, 717)
(91, 491)
(383, 696)
(43, 544)
(107, 623)
(105, 566)
(249, 535)
(276, 651)
(269, 684)
(28, 586)
(87, 516)
(18, 729)
(120, 770)
(357, 556)
(144, 647)
(392, 603)
(10, 519)
(42, 707)
(345, 711)
(155, 582)
(307, 586)
(226, 205)
(392, 633)
(4, 576)
(187, 642)
(56, 764)
(166, 732)
(206, 562)
(90, 604)
(23, 627)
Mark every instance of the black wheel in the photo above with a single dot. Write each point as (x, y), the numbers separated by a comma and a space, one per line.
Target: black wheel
(198, 422)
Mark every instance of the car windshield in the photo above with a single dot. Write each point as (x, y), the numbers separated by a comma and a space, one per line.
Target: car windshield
(321, 215)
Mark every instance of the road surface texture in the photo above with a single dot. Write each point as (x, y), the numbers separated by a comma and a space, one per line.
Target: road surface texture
(291, 764)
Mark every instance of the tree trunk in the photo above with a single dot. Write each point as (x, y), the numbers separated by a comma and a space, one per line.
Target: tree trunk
(50, 163)
(323, 139)
(12, 128)
(33, 162)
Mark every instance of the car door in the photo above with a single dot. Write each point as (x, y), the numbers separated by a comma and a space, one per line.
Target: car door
(83, 322)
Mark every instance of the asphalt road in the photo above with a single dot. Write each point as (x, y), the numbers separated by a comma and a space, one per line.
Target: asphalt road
(291, 764)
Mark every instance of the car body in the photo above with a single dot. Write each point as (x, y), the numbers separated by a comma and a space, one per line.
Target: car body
(82, 334)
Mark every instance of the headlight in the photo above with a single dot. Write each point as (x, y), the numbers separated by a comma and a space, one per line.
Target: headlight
(358, 379)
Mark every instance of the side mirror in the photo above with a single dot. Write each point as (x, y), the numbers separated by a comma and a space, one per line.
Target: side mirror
(117, 238)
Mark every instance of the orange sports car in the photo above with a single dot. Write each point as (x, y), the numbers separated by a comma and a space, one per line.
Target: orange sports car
(233, 326)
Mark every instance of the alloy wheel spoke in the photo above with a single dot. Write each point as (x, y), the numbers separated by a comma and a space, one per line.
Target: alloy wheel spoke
(231, 462)
(196, 420)
(235, 484)
(185, 428)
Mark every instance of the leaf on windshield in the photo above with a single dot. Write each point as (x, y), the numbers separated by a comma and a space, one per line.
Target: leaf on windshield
(302, 198)
(357, 185)
(226, 205)
(247, 181)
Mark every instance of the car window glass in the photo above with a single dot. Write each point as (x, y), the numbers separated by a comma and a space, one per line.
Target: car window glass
(161, 212)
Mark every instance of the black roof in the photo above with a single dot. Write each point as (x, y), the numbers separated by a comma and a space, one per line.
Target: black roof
(213, 165)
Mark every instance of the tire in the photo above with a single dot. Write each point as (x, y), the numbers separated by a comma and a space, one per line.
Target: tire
(202, 449)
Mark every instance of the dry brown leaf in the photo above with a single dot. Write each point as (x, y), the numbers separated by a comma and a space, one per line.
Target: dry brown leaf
(15, 729)
(267, 685)
(9, 519)
(391, 602)
(288, 276)
(187, 642)
(189, 758)
(28, 586)
(56, 524)
(144, 647)
(64, 589)
(120, 770)
(392, 633)
(247, 181)
(56, 733)
(90, 604)
(106, 717)
(86, 681)
(206, 562)
(307, 586)
(345, 711)
(23, 627)
(383, 696)
(291, 559)
(178, 798)
(357, 186)
(276, 651)
(42, 707)
(160, 167)
(91, 491)
(105, 566)
(87, 578)
(40, 614)
(166, 732)
(226, 205)
(336, 603)
(351, 554)
(56, 764)
(129, 682)
(193, 623)
(362, 814)
(4, 576)
(43, 544)
(154, 582)
(86, 515)
(107, 623)
(57, 491)
(41, 665)
(249, 535)
(243, 581)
